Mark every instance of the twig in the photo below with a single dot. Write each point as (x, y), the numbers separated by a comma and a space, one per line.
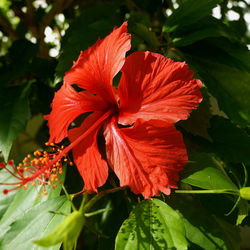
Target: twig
(30, 11)
(7, 27)
(57, 8)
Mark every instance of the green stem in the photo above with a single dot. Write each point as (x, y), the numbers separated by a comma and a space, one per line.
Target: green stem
(83, 201)
(212, 191)
(69, 197)
(87, 207)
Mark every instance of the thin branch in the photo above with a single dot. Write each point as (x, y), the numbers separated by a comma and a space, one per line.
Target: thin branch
(18, 12)
(57, 7)
(30, 11)
(7, 27)
(25, 18)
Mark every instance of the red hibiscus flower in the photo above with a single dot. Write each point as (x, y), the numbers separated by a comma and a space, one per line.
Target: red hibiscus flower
(143, 147)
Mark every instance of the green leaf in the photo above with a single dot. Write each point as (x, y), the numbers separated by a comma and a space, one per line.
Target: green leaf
(201, 226)
(22, 201)
(229, 141)
(18, 61)
(207, 27)
(5, 200)
(224, 67)
(243, 208)
(36, 222)
(26, 140)
(230, 233)
(152, 225)
(92, 23)
(67, 232)
(204, 171)
(199, 120)
(189, 12)
(145, 34)
(14, 114)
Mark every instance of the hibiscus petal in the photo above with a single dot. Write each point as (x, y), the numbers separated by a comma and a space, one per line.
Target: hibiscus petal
(152, 87)
(91, 166)
(147, 156)
(66, 106)
(97, 66)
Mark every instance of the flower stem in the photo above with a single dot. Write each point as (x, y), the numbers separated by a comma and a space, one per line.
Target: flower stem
(212, 191)
(97, 197)
(69, 197)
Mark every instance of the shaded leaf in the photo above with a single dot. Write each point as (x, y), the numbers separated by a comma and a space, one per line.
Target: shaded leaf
(202, 228)
(207, 27)
(91, 24)
(199, 120)
(18, 61)
(229, 141)
(230, 233)
(14, 114)
(189, 12)
(152, 225)
(225, 69)
(145, 34)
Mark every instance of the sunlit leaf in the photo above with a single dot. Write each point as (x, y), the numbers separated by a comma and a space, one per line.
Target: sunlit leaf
(67, 232)
(204, 171)
(36, 222)
(243, 208)
(152, 225)
(18, 203)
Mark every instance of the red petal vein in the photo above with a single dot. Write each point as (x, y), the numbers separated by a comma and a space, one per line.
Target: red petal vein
(91, 166)
(152, 87)
(146, 157)
(97, 66)
(66, 106)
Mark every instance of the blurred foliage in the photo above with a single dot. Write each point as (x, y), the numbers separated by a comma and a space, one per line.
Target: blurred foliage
(40, 39)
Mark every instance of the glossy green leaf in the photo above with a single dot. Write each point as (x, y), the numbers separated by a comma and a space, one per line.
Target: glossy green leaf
(229, 141)
(36, 222)
(204, 171)
(152, 225)
(14, 114)
(189, 12)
